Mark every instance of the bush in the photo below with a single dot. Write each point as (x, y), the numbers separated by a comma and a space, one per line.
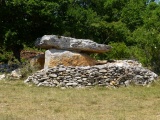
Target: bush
(119, 51)
(5, 56)
(27, 69)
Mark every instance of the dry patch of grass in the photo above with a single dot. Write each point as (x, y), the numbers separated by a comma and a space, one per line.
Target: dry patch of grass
(23, 102)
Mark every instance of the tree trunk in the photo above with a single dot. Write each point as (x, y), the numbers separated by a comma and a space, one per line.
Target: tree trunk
(16, 49)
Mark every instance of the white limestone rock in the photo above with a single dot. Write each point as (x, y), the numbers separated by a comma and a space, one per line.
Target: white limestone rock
(2, 76)
(16, 74)
(55, 57)
(68, 43)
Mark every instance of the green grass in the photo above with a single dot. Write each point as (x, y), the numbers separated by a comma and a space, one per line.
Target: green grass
(19, 101)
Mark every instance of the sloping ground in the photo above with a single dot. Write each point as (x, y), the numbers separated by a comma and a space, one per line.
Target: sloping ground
(27, 102)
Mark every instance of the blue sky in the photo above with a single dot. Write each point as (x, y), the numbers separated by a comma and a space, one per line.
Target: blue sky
(157, 1)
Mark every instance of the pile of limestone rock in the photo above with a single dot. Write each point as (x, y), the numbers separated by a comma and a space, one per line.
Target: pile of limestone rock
(68, 64)
(116, 73)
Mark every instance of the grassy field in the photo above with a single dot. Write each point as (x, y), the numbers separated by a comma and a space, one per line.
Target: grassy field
(19, 101)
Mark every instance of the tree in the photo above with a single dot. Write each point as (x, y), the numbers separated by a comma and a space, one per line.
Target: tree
(132, 14)
(147, 37)
(29, 20)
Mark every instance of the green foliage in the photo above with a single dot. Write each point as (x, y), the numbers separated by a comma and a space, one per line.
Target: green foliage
(130, 26)
(136, 54)
(120, 51)
(27, 69)
(148, 41)
(113, 9)
(5, 56)
(132, 15)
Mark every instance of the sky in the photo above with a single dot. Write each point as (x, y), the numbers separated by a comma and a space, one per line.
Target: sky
(157, 1)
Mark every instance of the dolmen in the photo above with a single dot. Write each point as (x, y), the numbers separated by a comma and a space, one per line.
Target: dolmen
(68, 64)
(69, 51)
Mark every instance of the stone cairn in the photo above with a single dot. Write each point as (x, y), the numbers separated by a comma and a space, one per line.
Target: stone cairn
(67, 65)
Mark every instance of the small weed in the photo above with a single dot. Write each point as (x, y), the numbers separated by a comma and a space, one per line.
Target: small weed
(27, 69)
(57, 110)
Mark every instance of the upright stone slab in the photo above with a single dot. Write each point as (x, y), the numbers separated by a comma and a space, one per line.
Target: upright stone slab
(38, 61)
(54, 57)
(72, 44)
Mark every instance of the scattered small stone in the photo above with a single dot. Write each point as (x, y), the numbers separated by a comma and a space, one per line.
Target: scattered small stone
(52, 75)
(102, 71)
(72, 84)
(2, 76)
(62, 69)
(79, 81)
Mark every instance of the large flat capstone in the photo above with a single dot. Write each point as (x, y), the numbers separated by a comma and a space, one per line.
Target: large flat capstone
(68, 43)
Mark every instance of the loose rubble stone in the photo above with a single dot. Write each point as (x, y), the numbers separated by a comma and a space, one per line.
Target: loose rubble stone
(102, 71)
(52, 75)
(2, 76)
(11, 71)
(68, 43)
(118, 73)
(16, 74)
(72, 84)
